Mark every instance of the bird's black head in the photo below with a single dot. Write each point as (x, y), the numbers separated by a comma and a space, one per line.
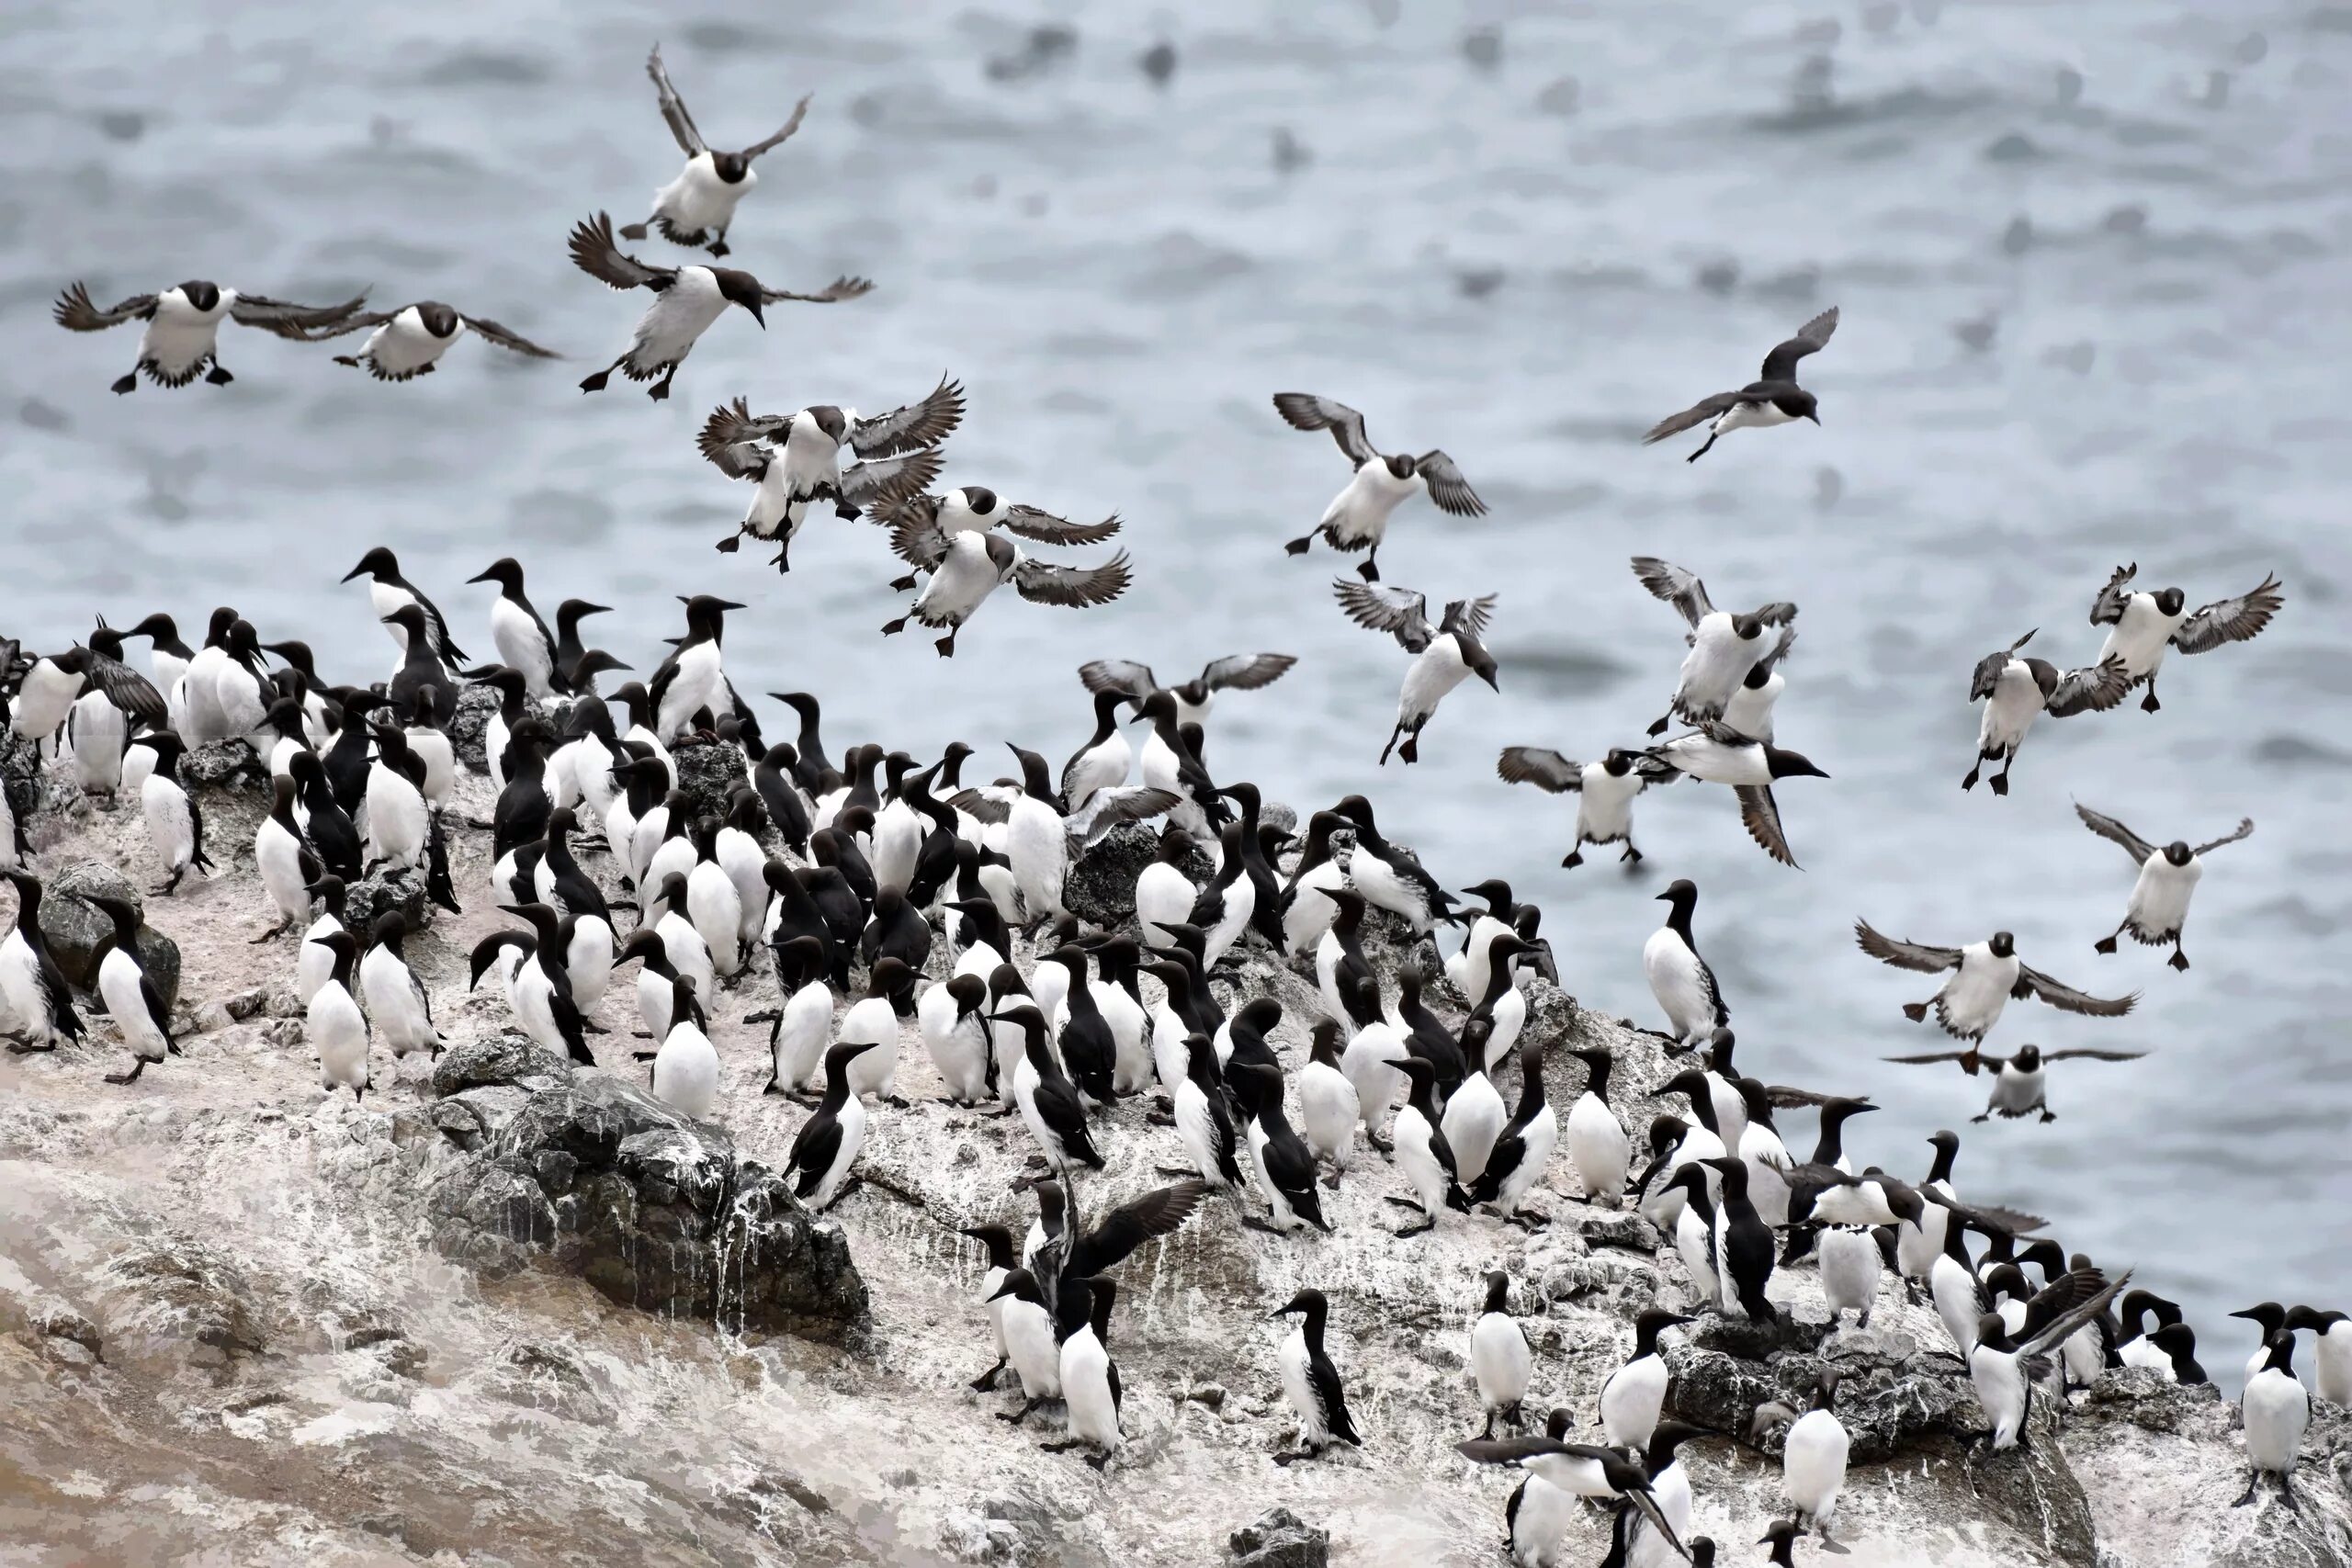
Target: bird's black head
(1400, 464)
(439, 318)
(506, 572)
(2028, 1058)
(1802, 404)
(378, 562)
(1759, 674)
(1791, 764)
(204, 296)
(731, 166)
(980, 499)
(1482, 663)
(2171, 601)
(829, 420)
(2178, 852)
(2003, 944)
(1310, 1301)
(740, 287)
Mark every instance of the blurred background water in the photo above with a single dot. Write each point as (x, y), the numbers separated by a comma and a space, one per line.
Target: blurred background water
(2090, 258)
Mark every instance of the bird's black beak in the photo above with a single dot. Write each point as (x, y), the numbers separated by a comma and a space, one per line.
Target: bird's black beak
(479, 577)
(355, 571)
(754, 308)
(1815, 417)
(1493, 684)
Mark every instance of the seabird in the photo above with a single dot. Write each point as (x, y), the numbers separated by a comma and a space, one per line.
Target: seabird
(389, 592)
(1774, 397)
(1235, 672)
(696, 207)
(2159, 905)
(409, 342)
(2146, 625)
(1310, 1381)
(333, 1024)
(827, 1145)
(966, 567)
(1448, 653)
(1682, 981)
(1500, 1361)
(1523, 1151)
(2275, 1410)
(1090, 1392)
(2006, 1368)
(2015, 691)
(686, 300)
(1985, 975)
(1358, 516)
(779, 507)
(182, 335)
(174, 818)
(523, 642)
(1724, 647)
(1583, 1470)
(131, 1000)
(1604, 791)
(1813, 1457)
(1720, 755)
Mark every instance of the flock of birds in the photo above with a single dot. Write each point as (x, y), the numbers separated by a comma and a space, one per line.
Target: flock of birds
(884, 870)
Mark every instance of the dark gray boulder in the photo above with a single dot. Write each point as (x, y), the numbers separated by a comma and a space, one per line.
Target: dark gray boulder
(497, 1059)
(387, 892)
(471, 721)
(74, 927)
(707, 772)
(1101, 887)
(1279, 1539)
(597, 1178)
(224, 765)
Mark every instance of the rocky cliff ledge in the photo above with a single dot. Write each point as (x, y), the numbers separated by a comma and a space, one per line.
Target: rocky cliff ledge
(511, 1313)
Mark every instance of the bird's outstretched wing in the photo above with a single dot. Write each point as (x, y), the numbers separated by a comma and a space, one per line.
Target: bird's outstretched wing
(2086, 1054)
(742, 460)
(1904, 954)
(985, 803)
(2108, 608)
(1698, 413)
(2244, 828)
(2093, 689)
(2084, 1302)
(1447, 487)
(2230, 620)
(925, 424)
(1048, 529)
(800, 113)
(365, 321)
(1989, 668)
(2116, 833)
(1678, 587)
(1079, 587)
(1780, 364)
(76, 311)
(674, 108)
(1305, 410)
(1971, 1061)
(838, 289)
(1122, 675)
(879, 481)
(914, 540)
(512, 342)
(1399, 612)
(733, 424)
(1760, 814)
(2065, 998)
(1107, 809)
(597, 253)
(1468, 616)
(1246, 671)
(1108, 1242)
(1541, 766)
(288, 319)
(127, 689)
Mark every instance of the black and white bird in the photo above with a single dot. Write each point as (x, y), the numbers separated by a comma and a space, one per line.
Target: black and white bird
(389, 592)
(1447, 654)
(36, 1003)
(793, 461)
(1090, 1392)
(1604, 791)
(1633, 1395)
(693, 677)
(333, 1024)
(2145, 626)
(174, 818)
(827, 1143)
(1235, 672)
(2015, 691)
(1599, 1145)
(396, 999)
(2159, 905)
(1812, 1458)
(409, 342)
(132, 1002)
(182, 337)
(1050, 1106)
(975, 509)
(2275, 1410)
(1522, 1152)
(1358, 516)
(1774, 397)
(1682, 981)
(1985, 975)
(1724, 647)
(697, 208)
(1581, 1470)
(1742, 1245)
(1421, 1151)
(967, 566)
(1499, 1360)
(1720, 755)
(1388, 879)
(524, 643)
(2006, 1368)
(2020, 1086)
(1310, 1381)
(686, 300)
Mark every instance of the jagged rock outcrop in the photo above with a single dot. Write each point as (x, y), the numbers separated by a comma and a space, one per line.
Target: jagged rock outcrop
(74, 927)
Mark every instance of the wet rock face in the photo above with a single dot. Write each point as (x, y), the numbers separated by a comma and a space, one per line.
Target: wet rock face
(387, 892)
(707, 772)
(224, 765)
(1100, 887)
(74, 927)
(653, 1209)
(1279, 1539)
(470, 723)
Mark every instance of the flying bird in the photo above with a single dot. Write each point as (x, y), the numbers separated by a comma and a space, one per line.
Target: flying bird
(1604, 791)
(1358, 516)
(2159, 905)
(697, 207)
(975, 509)
(409, 342)
(2015, 691)
(793, 462)
(1773, 398)
(1985, 975)
(1720, 755)
(182, 331)
(686, 300)
(1724, 647)
(2145, 625)
(1235, 672)
(967, 567)
(2019, 1082)
(1449, 653)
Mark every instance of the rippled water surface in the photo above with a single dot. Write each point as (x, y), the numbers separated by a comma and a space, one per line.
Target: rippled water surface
(2091, 260)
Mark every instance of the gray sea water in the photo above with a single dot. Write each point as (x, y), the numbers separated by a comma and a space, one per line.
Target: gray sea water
(2091, 260)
